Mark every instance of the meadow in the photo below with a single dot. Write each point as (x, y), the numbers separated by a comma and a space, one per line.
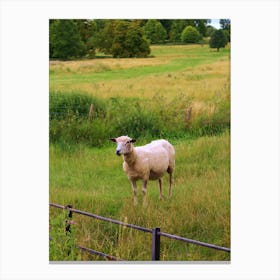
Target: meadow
(181, 93)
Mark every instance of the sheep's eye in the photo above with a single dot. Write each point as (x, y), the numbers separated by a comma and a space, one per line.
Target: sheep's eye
(127, 142)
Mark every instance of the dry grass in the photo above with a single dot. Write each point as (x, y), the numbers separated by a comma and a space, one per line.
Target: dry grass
(98, 65)
(202, 82)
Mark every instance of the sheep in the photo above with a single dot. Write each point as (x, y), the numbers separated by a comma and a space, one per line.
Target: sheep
(148, 162)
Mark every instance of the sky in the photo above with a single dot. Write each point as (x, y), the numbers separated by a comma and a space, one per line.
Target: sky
(215, 23)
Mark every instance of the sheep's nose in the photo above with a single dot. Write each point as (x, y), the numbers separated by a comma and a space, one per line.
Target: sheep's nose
(118, 152)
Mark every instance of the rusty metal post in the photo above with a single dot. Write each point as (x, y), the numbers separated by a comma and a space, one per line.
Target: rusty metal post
(68, 222)
(155, 244)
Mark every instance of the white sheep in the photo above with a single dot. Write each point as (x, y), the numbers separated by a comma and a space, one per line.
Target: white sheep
(148, 162)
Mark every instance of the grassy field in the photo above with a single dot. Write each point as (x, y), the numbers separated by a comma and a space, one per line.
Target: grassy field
(88, 175)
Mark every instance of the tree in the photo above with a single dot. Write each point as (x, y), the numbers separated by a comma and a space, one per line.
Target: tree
(105, 36)
(118, 46)
(190, 35)
(166, 23)
(225, 25)
(227, 36)
(209, 30)
(176, 30)
(65, 40)
(200, 24)
(128, 40)
(218, 39)
(135, 43)
(154, 31)
(87, 30)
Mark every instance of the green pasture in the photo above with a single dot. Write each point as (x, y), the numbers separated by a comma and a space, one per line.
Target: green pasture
(181, 93)
(164, 60)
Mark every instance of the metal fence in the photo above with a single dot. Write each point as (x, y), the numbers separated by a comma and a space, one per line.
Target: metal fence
(155, 232)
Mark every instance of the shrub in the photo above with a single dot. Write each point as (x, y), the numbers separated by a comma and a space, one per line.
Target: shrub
(154, 31)
(190, 35)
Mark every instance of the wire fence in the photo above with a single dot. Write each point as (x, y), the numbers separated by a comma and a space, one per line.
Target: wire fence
(155, 232)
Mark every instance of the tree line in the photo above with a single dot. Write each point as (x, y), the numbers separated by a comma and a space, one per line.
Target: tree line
(128, 38)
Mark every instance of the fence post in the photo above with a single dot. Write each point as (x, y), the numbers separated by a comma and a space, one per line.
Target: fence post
(91, 112)
(155, 244)
(68, 222)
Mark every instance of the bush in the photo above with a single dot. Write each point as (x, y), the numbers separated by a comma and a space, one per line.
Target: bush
(190, 35)
(154, 31)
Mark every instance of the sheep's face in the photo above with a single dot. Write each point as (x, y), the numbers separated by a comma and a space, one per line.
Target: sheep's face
(124, 145)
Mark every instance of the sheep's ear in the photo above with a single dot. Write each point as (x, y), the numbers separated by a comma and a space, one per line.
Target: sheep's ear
(132, 140)
(113, 139)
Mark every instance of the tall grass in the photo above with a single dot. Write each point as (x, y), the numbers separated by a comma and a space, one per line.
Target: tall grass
(92, 179)
(158, 117)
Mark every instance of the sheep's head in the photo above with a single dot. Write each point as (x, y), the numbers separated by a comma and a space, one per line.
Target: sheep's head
(124, 145)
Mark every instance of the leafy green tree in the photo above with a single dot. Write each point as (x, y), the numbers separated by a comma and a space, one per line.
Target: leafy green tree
(118, 45)
(209, 30)
(218, 40)
(127, 40)
(166, 23)
(154, 31)
(190, 35)
(176, 30)
(102, 38)
(65, 40)
(225, 25)
(227, 36)
(87, 30)
(200, 24)
(135, 43)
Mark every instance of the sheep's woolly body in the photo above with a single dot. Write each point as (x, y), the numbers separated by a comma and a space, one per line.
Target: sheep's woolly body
(149, 162)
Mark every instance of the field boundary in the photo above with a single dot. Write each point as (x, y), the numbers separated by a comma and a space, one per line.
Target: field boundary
(156, 234)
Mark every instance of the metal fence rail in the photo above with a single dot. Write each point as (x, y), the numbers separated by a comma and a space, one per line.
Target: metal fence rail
(100, 254)
(156, 234)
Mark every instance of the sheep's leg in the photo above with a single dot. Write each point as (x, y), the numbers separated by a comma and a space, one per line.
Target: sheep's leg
(134, 187)
(170, 184)
(160, 188)
(144, 191)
